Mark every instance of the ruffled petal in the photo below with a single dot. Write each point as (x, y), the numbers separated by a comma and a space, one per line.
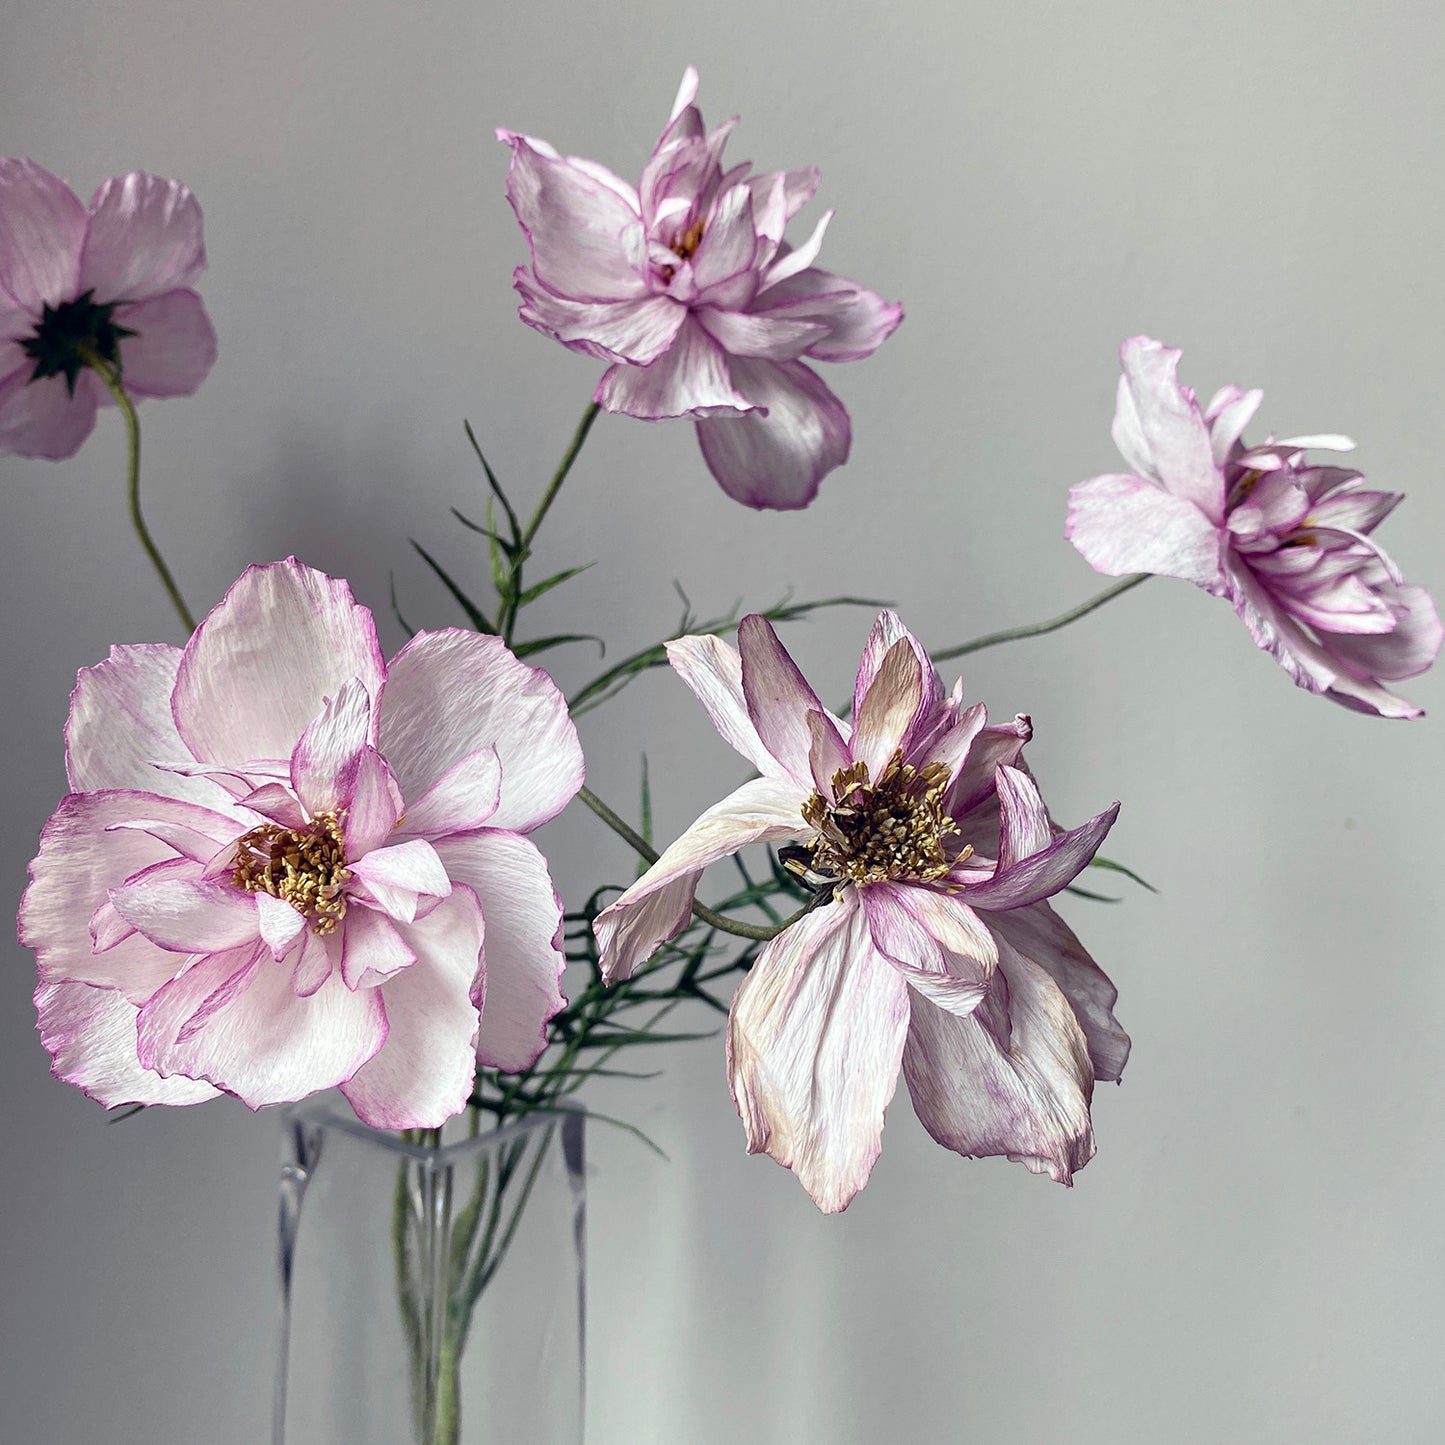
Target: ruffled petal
(762, 335)
(464, 798)
(327, 757)
(189, 915)
(691, 378)
(450, 693)
(524, 960)
(815, 1037)
(854, 321)
(974, 782)
(265, 659)
(399, 876)
(372, 948)
(729, 243)
(954, 982)
(887, 629)
(144, 238)
(174, 346)
(636, 331)
(1127, 524)
(42, 418)
(779, 459)
(42, 229)
(890, 707)
(659, 904)
(425, 1071)
(1405, 651)
(778, 698)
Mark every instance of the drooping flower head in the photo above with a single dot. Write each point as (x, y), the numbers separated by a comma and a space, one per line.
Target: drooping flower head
(1287, 541)
(931, 946)
(687, 287)
(112, 281)
(286, 865)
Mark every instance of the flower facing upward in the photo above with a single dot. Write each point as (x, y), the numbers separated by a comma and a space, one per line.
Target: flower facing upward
(109, 283)
(687, 287)
(285, 865)
(1286, 541)
(931, 947)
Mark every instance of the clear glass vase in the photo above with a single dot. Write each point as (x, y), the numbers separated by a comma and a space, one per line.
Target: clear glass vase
(431, 1295)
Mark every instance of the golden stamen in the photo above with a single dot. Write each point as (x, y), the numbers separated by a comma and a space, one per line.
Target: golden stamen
(303, 867)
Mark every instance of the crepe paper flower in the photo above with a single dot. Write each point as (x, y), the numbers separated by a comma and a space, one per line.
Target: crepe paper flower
(931, 947)
(286, 865)
(687, 288)
(111, 282)
(1285, 540)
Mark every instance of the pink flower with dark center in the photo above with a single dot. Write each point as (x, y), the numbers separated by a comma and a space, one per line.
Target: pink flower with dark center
(111, 282)
(932, 947)
(687, 287)
(1287, 541)
(286, 865)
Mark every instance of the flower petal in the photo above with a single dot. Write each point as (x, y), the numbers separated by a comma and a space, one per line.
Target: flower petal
(815, 1037)
(461, 800)
(1127, 524)
(636, 331)
(280, 924)
(855, 321)
(763, 335)
(327, 756)
(1408, 649)
(1024, 826)
(450, 693)
(887, 629)
(372, 948)
(42, 228)
(174, 346)
(953, 982)
(779, 459)
(890, 708)
(144, 238)
(265, 659)
(659, 904)
(424, 1072)
(189, 915)
(691, 378)
(524, 960)
(398, 875)
(778, 698)
(42, 418)
(973, 784)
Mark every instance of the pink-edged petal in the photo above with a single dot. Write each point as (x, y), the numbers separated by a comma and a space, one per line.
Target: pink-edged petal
(42, 418)
(90, 1034)
(1159, 430)
(890, 707)
(243, 1027)
(1128, 524)
(658, 905)
(778, 698)
(887, 629)
(691, 378)
(1040, 935)
(524, 960)
(774, 339)
(189, 915)
(42, 229)
(779, 459)
(855, 321)
(790, 262)
(1027, 1098)
(174, 346)
(328, 754)
(950, 749)
(815, 1038)
(315, 962)
(425, 1071)
(398, 876)
(144, 238)
(974, 782)
(713, 669)
(376, 804)
(586, 242)
(778, 196)
(278, 803)
(372, 948)
(827, 754)
(280, 924)
(729, 243)
(265, 659)
(82, 856)
(957, 983)
(635, 331)
(1024, 826)
(450, 693)
(1405, 651)
(464, 798)
(1228, 414)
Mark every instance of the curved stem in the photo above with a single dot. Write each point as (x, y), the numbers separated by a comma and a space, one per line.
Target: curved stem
(757, 931)
(111, 376)
(1037, 629)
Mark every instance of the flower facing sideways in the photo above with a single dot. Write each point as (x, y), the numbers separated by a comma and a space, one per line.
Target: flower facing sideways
(687, 288)
(109, 283)
(932, 947)
(1286, 541)
(286, 865)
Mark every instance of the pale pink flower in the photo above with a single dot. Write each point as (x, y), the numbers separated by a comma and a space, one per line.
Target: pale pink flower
(1286, 541)
(687, 287)
(115, 278)
(286, 865)
(932, 948)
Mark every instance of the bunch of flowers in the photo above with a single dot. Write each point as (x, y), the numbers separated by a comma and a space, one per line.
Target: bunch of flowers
(286, 865)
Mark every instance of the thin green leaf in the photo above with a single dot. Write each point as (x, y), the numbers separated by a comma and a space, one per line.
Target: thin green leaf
(509, 548)
(646, 808)
(475, 615)
(613, 1037)
(1086, 893)
(541, 644)
(495, 485)
(556, 580)
(396, 608)
(503, 565)
(1113, 867)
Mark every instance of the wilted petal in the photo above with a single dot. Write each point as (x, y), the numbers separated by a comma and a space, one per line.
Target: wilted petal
(450, 693)
(1228, 414)
(953, 981)
(890, 708)
(144, 238)
(773, 339)
(691, 378)
(42, 228)
(974, 782)
(1044, 873)
(425, 1071)
(827, 754)
(777, 460)
(1408, 649)
(42, 418)
(174, 346)
(815, 1036)
(887, 629)
(1024, 827)
(778, 698)
(713, 669)
(1127, 524)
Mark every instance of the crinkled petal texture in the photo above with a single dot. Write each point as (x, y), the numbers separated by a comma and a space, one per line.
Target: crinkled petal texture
(687, 288)
(174, 963)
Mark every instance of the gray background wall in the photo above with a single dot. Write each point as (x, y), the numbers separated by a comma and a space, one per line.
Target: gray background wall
(1256, 1253)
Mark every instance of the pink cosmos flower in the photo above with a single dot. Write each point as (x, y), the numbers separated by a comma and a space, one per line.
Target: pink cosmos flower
(687, 287)
(286, 865)
(115, 280)
(1286, 541)
(932, 947)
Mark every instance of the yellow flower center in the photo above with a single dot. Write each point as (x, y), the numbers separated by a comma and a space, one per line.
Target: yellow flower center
(689, 241)
(303, 867)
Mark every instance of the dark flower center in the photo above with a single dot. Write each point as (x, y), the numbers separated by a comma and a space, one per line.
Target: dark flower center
(893, 828)
(75, 335)
(303, 867)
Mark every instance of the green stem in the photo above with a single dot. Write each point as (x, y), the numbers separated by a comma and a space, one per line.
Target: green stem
(1037, 629)
(111, 376)
(630, 835)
